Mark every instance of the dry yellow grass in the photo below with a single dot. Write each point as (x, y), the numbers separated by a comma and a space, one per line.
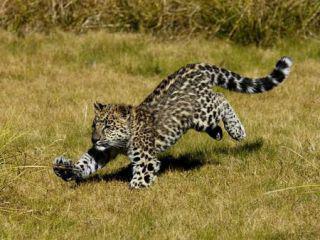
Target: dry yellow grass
(207, 189)
(244, 21)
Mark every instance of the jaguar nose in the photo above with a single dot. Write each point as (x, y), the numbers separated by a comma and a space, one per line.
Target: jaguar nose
(95, 139)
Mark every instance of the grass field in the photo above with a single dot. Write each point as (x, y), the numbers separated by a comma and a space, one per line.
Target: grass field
(267, 187)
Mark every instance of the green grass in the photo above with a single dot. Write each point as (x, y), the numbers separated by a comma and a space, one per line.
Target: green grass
(206, 190)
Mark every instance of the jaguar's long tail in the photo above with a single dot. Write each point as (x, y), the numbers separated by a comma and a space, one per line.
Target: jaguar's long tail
(234, 82)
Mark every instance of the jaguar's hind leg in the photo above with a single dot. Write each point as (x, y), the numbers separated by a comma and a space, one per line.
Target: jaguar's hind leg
(214, 108)
(231, 121)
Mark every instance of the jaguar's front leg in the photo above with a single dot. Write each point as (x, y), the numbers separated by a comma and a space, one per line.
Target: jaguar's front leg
(145, 168)
(88, 163)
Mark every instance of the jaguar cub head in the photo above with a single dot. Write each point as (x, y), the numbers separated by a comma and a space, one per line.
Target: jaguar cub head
(110, 127)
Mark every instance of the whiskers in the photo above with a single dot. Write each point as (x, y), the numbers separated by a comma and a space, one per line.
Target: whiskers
(120, 144)
(108, 144)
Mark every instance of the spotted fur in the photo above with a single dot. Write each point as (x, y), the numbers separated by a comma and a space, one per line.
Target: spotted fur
(182, 101)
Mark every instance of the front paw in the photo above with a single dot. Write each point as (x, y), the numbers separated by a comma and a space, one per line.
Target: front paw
(135, 184)
(64, 168)
(142, 182)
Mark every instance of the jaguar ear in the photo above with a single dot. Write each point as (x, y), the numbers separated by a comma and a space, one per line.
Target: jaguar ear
(124, 111)
(98, 107)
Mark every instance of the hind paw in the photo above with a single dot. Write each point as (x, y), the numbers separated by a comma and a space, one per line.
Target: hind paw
(237, 134)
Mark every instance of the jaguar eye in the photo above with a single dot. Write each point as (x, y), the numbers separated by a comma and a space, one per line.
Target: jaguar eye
(106, 124)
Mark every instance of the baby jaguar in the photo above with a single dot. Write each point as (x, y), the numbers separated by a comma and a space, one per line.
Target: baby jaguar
(182, 101)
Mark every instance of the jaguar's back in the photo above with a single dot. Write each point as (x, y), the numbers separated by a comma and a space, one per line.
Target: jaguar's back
(193, 79)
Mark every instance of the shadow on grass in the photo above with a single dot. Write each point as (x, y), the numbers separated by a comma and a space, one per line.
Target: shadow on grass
(186, 162)
(245, 148)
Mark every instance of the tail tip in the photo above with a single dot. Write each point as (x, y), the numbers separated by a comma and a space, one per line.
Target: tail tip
(284, 64)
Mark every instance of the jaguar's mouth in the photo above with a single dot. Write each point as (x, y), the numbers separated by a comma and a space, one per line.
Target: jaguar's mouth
(101, 147)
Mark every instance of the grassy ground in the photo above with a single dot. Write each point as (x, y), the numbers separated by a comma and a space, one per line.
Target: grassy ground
(207, 189)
